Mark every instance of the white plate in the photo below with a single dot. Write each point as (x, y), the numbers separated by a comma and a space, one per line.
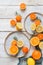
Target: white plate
(20, 36)
(28, 22)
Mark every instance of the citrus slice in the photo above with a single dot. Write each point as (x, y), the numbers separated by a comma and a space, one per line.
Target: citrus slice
(34, 41)
(36, 54)
(22, 6)
(40, 36)
(39, 28)
(41, 45)
(30, 61)
(13, 43)
(32, 16)
(33, 27)
(20, 43)
(13, 50)
(37, 22)
(19, 26)
(13, 23)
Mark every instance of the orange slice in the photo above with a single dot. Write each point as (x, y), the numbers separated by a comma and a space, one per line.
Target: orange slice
(41, 45)
(37, 22)
(13, 23)
(39, 29)
(14, 42)
(34, 41)
(13, 50)
(40, 36)
(22, 6)
(20, 44)
(32, 16)
(36, 54)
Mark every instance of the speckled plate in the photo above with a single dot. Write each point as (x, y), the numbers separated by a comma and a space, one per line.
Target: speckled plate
(21, 36)
(28, 22)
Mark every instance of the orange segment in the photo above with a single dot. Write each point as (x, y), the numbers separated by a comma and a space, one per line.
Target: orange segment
(13, 23)
(13, 50)
(36, 54)
(32, 16)
(22, 6)
(34, 41)
(37, 22)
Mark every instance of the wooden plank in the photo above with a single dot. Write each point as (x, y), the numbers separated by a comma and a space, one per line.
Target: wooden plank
(17, 2)
(8, 61)
(10, 11)
(3, 35)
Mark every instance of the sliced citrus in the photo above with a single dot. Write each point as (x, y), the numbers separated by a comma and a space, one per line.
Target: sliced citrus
(22, 6)
(39, 28)
(32, 16)
(19, 26)
(13, 23)
(20, 43)
(33, 27)
(14, 42)
(37, 22)
(13, 50)
(34, 41)
(40, 36)
(41, 45)
(36, 54)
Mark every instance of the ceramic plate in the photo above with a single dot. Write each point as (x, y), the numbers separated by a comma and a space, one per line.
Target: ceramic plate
(20, 36)
(28, 22)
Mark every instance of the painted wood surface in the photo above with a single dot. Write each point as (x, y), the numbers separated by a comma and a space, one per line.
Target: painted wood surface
(7, 12)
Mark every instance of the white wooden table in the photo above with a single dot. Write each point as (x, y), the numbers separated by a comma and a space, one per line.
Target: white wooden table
(7, 11)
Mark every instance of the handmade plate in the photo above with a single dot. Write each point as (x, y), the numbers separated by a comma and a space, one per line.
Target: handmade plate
(20, 36)
(28, 22)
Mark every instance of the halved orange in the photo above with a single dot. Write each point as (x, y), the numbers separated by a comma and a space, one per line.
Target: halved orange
(34, 41)
(32, 16)
(13, 50)
(36, 54)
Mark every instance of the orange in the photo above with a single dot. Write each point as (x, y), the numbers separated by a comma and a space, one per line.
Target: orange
(36, 54)
(32, 16)
(34, 41)
(18, 18)
(37, 22)
(13, 23)
(22, 6)
(40, 36)
(13, 50)
(25, 49)
(14, 42)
